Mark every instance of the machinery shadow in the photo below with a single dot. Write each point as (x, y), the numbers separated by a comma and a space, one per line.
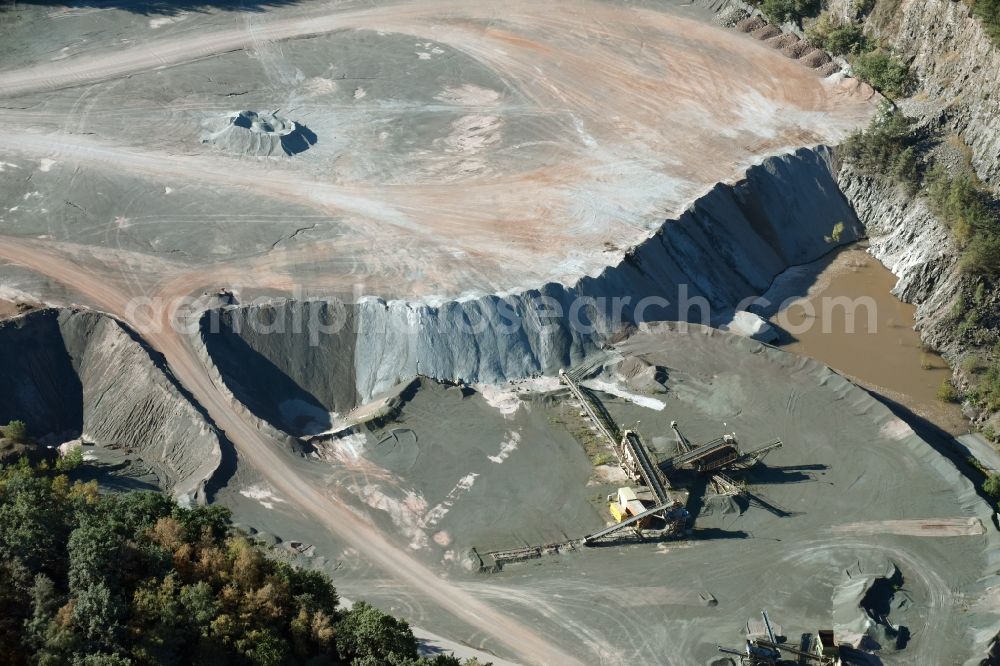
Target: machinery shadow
(767, 475)
(715, 533)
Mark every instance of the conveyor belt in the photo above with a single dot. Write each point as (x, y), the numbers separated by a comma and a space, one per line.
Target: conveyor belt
(593, 411)
(698, 453)
(625, 523)
(646, 468)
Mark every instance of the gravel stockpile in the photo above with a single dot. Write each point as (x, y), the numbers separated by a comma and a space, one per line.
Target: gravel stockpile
(798, 49)
(258, 134)
(816, 58)
(782, 41)
(751, 24)
(766, 32)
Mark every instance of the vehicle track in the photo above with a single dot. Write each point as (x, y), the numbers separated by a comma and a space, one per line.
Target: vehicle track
(265, 455)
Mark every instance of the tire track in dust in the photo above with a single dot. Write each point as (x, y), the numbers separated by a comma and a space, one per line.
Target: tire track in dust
(266, 456)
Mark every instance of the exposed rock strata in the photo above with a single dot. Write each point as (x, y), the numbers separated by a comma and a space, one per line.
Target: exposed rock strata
(956, 65)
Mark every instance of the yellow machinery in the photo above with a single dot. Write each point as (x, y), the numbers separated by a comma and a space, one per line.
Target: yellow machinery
(625, 505)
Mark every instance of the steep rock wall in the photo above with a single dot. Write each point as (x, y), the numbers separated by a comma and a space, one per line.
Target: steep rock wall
(728, 246)
(956, 65)
(910, 241)
(82, 374)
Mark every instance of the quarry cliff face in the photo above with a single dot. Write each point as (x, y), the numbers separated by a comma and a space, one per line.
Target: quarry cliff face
(721, 253)
(956, 65)
(906, 236)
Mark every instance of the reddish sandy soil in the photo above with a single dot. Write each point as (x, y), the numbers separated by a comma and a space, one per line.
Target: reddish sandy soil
(638, 91)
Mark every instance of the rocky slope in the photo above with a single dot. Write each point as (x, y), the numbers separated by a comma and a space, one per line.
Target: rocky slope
(727, 247)
(958, 101)
(71, 374)
(956, 65)
(906, 236)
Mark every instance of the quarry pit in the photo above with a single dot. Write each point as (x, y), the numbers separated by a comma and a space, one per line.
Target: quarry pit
(293, 314)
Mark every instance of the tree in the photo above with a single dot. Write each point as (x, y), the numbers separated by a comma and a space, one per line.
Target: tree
(199, 603)
(366, 632)
(139, 510)
(782, 11)
(16, 431)
(992, 486)
(263, 648)
(95, 555)
(92, 579)
(946, 392)
(102, 659)
(98, 613)
(835, 36)
(884, 71)
(988, 12)
(45, 601)
(72, 459)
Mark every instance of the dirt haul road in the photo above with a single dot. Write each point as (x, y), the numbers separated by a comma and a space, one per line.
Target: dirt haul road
(265, 456)
(604, 119)
(590, 122)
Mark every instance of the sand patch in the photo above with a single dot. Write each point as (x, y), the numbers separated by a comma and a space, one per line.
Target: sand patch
(506, 402)
(896, 429)
(612, 389)
(507, 447)
(263, 494)
(405, 513)
(469, 95)
(434, 516)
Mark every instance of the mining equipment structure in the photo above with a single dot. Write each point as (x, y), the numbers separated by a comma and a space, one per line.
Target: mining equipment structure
(764, 649)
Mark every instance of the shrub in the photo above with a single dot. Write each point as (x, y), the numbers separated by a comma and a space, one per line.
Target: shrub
(835, 233)
(989, 433)
(70, 461)
(982, 255)
(884, 71)
(886, 148)
(906, 169)
(967, 210)
(969, 323)
(601, 459)
(862, 7)
(980, 294)
(988, 389)
(781, 11)
(988, 11)
(958, 308)
(971, 364)
(946, 392)
(830, 34)
(991, 486)
(17, 431)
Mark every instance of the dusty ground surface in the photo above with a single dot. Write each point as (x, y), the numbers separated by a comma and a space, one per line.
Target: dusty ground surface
(852, 493)
(604, 120)
(7, 309)
(460, 147)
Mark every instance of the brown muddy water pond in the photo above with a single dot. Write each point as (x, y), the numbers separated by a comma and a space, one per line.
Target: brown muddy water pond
(840, 311)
